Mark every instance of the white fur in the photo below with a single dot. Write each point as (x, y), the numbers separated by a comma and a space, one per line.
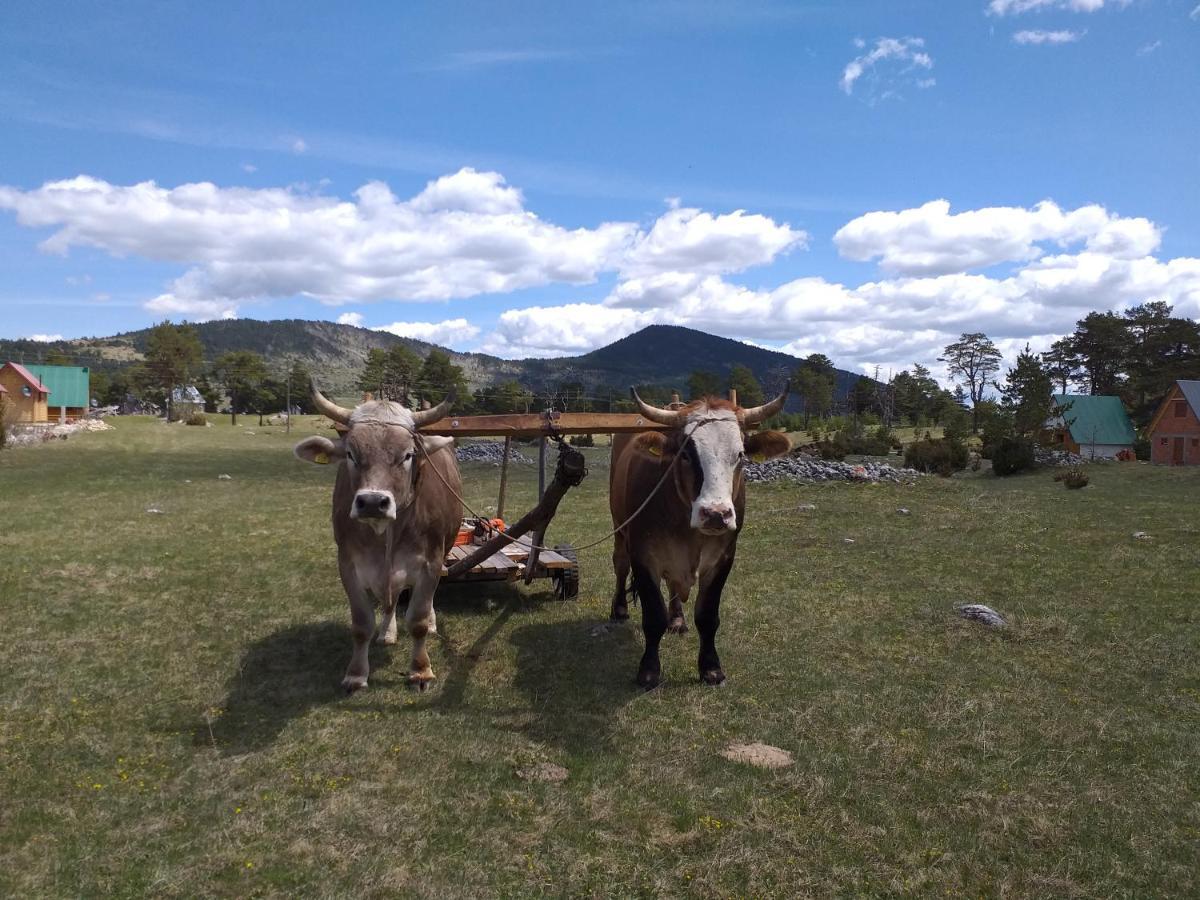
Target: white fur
(718, 444)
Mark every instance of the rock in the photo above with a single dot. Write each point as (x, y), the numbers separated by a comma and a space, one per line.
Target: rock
(224, 477)
(542, 771)
(806, 507)
(1141, 536)
(804, 468)
(154, 509)
(984, 614)
(904, 511)
(1047, 456)
(764, 756)
(847, 540)
(490, 452)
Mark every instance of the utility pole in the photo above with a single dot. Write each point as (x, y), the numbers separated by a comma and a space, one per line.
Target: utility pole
(288, 411)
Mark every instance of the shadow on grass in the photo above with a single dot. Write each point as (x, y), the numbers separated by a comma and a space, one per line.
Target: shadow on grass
(279, 678)
(576, 676)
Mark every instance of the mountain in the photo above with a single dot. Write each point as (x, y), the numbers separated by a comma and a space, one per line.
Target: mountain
(658, 354)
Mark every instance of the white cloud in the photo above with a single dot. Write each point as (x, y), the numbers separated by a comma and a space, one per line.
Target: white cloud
(1096, 261)
(561, 330)
(890, 64)
(447, 334)
(249, 168)
(1047, 37)
(299, 145)
(1195, 14)
(1149, 48)
(465, 234)
(45, 338)
(350, 318)
(1016, 7)
(930, 240)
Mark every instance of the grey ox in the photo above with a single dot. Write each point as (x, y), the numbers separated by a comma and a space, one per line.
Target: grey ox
(687, 532)
(395, 515)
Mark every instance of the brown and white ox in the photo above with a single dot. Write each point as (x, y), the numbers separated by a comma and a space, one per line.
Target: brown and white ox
(688, 531)
(394, 519)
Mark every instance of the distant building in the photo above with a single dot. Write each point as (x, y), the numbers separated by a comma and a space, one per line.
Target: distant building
(1095, 427)
(1174, 432)
(70, 391)
(25, 391)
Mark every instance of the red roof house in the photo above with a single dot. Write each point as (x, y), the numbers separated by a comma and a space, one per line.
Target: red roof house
(1174, 432)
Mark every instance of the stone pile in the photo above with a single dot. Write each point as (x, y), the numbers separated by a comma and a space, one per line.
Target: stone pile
(29, 437)
(801, 467)
(489, 452)
(1047, 456)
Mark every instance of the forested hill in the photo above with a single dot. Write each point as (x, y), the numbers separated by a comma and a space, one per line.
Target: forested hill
(661, 355)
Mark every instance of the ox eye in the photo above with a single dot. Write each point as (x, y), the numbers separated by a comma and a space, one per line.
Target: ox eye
(350, 456)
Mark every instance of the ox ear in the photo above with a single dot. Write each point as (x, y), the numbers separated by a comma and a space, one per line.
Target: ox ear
(433, 443)
(651, 444)
(319, 450)
(764, 445)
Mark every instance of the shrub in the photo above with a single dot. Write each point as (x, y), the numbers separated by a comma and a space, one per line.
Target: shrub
(581, 440)
(1011, 455)
(1074, 478)
(196, 418)
(1141, 448)
(941, 456)
(1126, 455)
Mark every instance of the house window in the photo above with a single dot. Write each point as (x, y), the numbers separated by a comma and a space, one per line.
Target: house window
(26, 391)
(1162, 442)
(1180, 409)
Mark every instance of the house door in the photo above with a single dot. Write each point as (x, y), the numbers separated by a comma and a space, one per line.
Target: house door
(1177, 451)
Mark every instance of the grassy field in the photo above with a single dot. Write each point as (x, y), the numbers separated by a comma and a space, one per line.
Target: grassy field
(171, 724)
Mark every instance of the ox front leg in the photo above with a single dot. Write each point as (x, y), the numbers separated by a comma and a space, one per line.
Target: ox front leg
(386, 633)
(708, 619)
(422, 622)
(654, 625)
(362, 627)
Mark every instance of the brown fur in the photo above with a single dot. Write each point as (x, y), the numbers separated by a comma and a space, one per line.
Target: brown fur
(660, 544)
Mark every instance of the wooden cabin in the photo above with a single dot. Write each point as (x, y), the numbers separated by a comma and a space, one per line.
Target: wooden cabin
(25, 392)
(70, 391)
(1174, 432)
(1094, 427)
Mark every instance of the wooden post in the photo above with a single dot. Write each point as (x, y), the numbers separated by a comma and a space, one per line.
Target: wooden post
(733, 396)
(503, 478)
(541, 468)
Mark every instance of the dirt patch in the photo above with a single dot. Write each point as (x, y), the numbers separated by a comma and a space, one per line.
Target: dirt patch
(542, 771)
(762, 755)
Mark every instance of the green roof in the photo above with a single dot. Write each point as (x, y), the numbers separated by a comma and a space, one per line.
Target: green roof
(68, 384)
(1100, 420)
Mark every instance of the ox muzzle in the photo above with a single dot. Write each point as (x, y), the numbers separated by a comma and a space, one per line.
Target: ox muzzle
(376, 508)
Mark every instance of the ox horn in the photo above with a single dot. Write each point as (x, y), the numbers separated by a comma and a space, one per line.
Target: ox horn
(327, 407)
(757, 414)
(670, 417)
(429, 416)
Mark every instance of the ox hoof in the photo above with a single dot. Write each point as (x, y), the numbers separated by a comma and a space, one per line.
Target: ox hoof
(619, 613)
(677, 626)
(421, 681)
(387, 639)
(648, 681)
(352, 683)
(713, 677)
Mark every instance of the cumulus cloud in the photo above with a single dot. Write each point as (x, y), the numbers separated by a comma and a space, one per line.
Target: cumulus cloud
(350, 318)
(930, 240)
(1092, 260)
(448, 333)
(45, 338)
(465, 234)
(1047, 37)
(1016, 7)
(889, 65)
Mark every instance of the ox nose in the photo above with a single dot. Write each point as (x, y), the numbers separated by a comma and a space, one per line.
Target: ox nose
(374, 505)
(716, 518)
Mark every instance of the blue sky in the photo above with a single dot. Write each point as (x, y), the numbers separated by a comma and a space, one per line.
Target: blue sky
(542, 178)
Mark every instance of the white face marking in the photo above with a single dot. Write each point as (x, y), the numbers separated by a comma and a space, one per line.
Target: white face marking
(719, 447)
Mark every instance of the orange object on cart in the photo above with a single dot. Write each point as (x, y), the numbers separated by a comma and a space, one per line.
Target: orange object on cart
(466, 532)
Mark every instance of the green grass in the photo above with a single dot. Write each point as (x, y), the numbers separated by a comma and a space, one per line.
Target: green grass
(171, 724)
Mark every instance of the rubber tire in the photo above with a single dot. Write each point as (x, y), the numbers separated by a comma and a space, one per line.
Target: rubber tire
(566, 581)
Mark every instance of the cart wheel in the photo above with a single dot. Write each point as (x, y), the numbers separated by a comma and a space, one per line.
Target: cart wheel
(566, 581)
